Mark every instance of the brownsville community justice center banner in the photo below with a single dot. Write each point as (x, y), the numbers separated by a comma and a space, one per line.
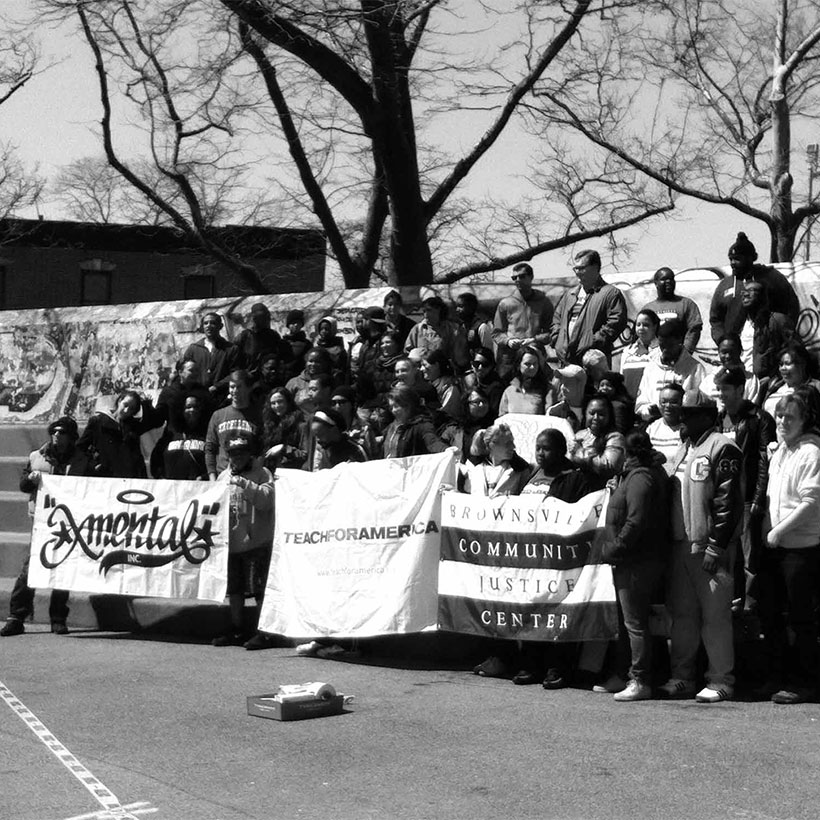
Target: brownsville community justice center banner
(526, 568)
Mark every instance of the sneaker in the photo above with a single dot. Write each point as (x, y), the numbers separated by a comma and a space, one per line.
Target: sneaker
(259, 641)
(229, 639)
(524, 678)
(12, 627)
(58, 628)
(789, 697)
(677, 689)
(493, 667)
(610, 686)
(635, 690)
(554, 679)
(308, 649)
(710, 695)
(329, 652)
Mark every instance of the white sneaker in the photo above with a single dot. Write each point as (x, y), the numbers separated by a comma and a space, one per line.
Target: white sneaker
(677, 689)
(308, 649)
(612, 685)
(635, 690)
(710, 695)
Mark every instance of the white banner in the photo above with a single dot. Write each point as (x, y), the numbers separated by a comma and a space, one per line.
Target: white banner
(356, 549)
(164, 539)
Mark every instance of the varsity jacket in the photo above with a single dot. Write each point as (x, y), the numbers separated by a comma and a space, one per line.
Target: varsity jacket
(711, 492)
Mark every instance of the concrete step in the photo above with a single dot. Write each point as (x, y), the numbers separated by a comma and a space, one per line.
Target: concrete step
(14, 547)
(14, 515)
(11, 468)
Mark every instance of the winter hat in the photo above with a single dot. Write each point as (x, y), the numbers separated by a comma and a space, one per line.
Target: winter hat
(64, 424)
(743, 247)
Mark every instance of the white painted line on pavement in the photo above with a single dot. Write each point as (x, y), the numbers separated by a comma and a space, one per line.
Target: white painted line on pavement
(113, 810)
(134, 808)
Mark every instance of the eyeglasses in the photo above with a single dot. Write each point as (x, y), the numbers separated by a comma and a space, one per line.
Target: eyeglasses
(578, 268)
(340, 401)
(479, 363)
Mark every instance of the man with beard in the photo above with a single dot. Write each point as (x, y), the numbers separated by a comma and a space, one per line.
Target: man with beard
(727, 313)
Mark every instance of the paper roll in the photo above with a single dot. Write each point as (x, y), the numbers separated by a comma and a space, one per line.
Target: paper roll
(314, 690)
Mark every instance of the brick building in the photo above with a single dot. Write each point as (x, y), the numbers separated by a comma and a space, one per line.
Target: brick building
(65, 264)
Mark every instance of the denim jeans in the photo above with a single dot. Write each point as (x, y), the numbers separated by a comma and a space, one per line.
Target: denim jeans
(21, 603)
(701, 609)
(635, 585)
(788, 585)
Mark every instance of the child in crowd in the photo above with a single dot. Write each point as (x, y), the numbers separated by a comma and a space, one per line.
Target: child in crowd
(249, 539)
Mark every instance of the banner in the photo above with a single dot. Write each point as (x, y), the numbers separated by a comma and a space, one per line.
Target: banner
(525, 567)
(356, 548)
(165, 539)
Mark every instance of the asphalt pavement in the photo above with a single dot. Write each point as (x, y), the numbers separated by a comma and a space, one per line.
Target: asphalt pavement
(102, 725)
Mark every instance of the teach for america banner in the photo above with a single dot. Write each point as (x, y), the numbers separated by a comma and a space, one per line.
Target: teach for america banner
(166, 539)
(522, 567)
(356, 548)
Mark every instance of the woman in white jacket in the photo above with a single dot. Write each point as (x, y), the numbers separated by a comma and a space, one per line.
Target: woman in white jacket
(791, 562)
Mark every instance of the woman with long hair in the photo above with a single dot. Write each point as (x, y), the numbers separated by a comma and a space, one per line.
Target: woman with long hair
(797, 367)
(438, 371)
(411, 432)
(530, 390)
(634, 358)
(282, 431)
(111, 438)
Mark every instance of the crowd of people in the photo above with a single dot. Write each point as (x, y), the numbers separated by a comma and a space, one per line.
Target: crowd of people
(714, 471)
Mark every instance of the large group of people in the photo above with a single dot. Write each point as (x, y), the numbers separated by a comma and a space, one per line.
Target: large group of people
(714, 470)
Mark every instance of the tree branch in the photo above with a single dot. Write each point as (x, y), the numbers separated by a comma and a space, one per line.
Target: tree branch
(465, 165)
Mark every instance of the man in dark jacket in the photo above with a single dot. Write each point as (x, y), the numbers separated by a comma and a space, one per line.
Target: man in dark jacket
(727, 313)
(216, 356)
(59, 456)
(256, 341)
(710, 511)
(752, 430)
(771, 331)
(593, 315)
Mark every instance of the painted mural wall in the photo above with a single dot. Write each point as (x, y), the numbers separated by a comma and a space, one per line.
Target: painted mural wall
(68, 360)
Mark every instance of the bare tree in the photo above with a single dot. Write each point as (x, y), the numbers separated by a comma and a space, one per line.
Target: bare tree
(20, 187)
(705, 99)
(387, 68)
(349, 99)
